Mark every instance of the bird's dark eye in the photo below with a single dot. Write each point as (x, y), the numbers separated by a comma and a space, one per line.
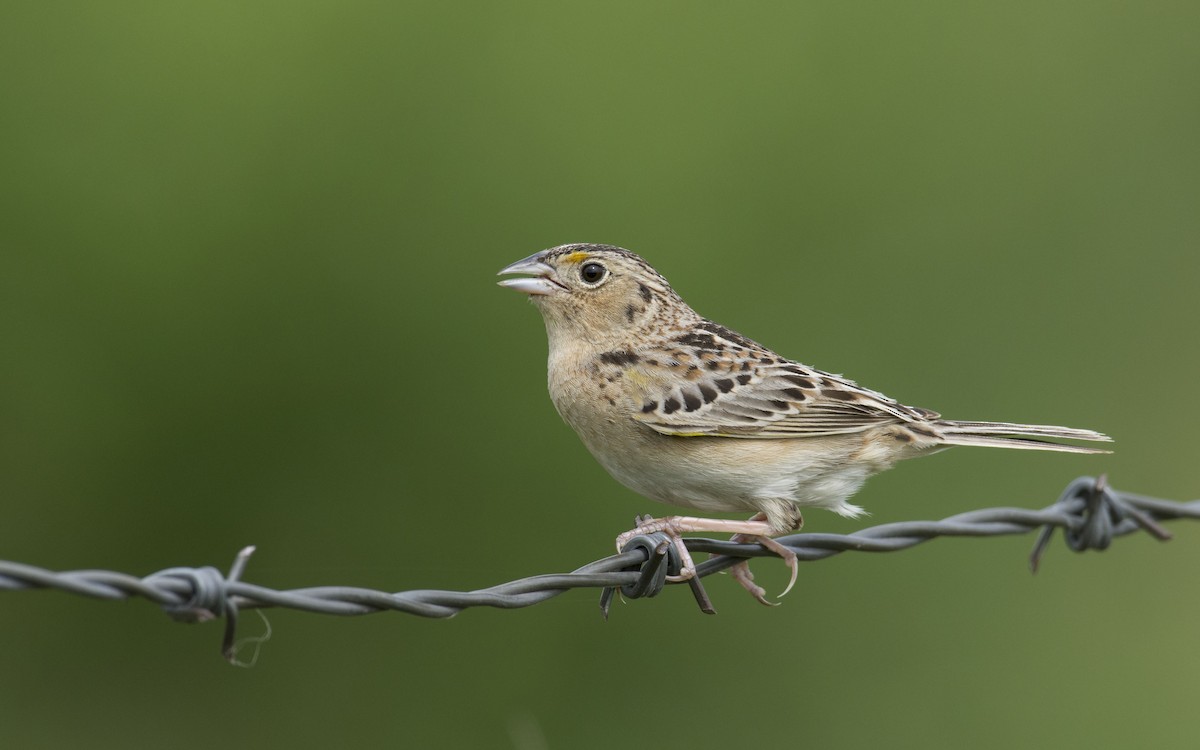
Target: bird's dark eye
(592, 272)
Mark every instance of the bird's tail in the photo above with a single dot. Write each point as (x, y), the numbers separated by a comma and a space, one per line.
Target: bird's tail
(1021, 436)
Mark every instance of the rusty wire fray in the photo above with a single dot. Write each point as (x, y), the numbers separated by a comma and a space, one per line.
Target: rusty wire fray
(1090, 513)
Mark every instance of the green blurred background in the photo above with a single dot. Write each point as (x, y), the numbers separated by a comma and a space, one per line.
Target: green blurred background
(247, 296)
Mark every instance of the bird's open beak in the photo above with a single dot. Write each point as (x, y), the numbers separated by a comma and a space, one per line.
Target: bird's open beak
(541, 277)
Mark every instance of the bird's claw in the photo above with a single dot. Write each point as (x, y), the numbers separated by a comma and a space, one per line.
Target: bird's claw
(789, 559)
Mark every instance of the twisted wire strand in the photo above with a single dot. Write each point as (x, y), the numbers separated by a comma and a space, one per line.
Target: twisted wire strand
(1089, 512)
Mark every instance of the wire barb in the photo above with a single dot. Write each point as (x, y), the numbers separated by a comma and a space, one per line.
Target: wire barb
(209, 600)
(660, 559)
(1090, 512)
(1098, 513)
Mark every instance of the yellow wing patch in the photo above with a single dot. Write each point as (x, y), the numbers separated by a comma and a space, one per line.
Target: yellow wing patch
(637, 377)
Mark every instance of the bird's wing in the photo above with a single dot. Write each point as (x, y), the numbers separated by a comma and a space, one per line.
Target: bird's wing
(754, 393)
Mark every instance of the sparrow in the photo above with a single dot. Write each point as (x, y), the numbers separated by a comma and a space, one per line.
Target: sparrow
(690, 413)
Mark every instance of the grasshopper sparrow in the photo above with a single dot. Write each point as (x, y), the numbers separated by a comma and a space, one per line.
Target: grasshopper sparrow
(690, 413)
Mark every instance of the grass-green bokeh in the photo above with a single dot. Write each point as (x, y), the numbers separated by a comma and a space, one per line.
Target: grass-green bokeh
(246, 296)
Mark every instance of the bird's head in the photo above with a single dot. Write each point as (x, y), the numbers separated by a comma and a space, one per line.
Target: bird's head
(598, 292)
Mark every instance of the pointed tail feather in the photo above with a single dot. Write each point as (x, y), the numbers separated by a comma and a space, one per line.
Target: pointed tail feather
(1020, 436)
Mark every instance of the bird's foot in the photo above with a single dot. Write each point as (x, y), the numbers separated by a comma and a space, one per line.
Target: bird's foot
(741, 571)
(673, 530)
(675, 526)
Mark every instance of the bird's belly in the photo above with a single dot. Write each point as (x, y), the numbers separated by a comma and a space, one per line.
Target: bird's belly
(733, 474)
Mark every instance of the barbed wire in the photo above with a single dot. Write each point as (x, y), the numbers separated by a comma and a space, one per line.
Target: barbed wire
(1090, 513)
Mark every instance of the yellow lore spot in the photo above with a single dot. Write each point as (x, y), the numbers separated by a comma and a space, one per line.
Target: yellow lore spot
(576, 257)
